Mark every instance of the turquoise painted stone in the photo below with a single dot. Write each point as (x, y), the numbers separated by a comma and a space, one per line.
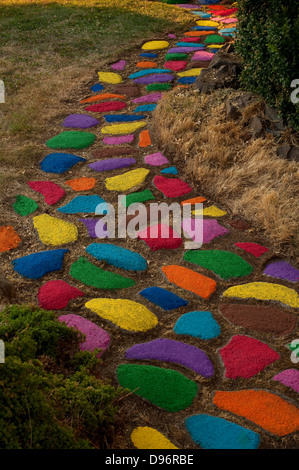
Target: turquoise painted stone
(117, 256)
(171, 170)
(143, 73)
(198, 324)
(87, 204)
(211, 432)
(223, 263)
(72, 140)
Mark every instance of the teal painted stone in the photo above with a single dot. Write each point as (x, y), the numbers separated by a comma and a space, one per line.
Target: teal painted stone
(223, 263)
(117, 256)
(171, 170)
(143, 73)
(211, 432)
(72, 140)
(198, 324)
(87, 204)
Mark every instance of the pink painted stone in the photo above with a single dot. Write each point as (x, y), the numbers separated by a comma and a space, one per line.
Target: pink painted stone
(289, 378)
(211, 229)
(160, 236)
(172, 187)
(96, 337)
(151, 98)
(203, 56)
(52, 192)
(218, 18)
(171, 36)
(123, 139)
(229, 20)
(253, 248)
(176, 65)
(245, 357)
(156, 159)
(55, 295)
(120, 65)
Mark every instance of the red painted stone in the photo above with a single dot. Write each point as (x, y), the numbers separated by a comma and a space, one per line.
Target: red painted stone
(172, 187)
(245, 357)
(160, 236)
(52, 192)
(55, 295)
(253, 248)
(176, 65)
(107, 106)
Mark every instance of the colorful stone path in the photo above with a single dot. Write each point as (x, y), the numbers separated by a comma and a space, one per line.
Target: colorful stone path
(171, 325)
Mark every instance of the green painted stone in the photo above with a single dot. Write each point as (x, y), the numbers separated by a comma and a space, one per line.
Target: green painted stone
(158, 86)
(165, 388)
(24, 205)
(224, 263)
(140, 196)
(71, 140)
(88, 273)
(214, 39)
(176, 56)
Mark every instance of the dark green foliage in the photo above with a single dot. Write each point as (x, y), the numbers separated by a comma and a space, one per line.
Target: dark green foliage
(268, 41)
(50, 396)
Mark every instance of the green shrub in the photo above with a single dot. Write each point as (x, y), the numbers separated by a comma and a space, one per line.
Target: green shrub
(268, 41)
(50, 396)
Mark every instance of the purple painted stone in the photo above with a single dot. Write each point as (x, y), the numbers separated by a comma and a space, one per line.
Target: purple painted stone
(96, 337)
(211, 229)
(203, 56)
(189, 7)
(120, 65)
(112, 163)
(151, 98)
(82, 121)
(96, 228)
(282, 270)
(175, 50)
(289, 378)
(173, 351)
(123, 139)
(156, 159)
(171, 36)
(156, 78)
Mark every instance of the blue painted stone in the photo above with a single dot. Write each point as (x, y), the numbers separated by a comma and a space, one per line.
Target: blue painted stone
(143, 73)
(204, 28)
(213, 50)
(187, 80)
(87, 204)
(189, 44)
(97, 87)
(59, 162)
(170, 170)
(163, 298)
(143, 108)
(211, 432)
(122, 118)
(38, 264)
(150, 55)
(227, 30)
(117, 256)
(202, 14)
(198, 324)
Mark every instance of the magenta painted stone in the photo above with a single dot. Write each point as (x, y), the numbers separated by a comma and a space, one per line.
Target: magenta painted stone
(192, 39)
(112, 163)
(156, 78)
(160, 237)
(282, 270)
(289, 378)
(96, 337)
(120, 65)
(81, 121)
(173, 351)
(96, 228)
(151, 98)
(171, 36)
(172, 187)
(211, 229)
(52, 192)
(175, 50)
(123, 139)
(156, 159)
(203, 56)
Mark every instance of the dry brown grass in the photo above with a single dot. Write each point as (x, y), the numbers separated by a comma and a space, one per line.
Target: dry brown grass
(241, 173)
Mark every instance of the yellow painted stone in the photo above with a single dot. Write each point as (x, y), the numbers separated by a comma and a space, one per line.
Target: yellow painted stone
(215, 46)
(190, 73)
(124, 313)
(127, 180)
(207, 23)
(144, 437)
(211, 211)
(53, 231)
(264, 291)
(152, 45)
(110, 77)
(123, 128)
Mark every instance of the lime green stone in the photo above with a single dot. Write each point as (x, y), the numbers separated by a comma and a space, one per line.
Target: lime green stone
(24, 205)
(140, 196)
(71, 140)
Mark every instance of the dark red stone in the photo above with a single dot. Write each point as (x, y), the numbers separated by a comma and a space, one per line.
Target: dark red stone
(114, 152)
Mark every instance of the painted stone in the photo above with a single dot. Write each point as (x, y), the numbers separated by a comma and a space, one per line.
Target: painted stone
(171, 170)
(96, 228)
(190, 280)
(189, 44)
(52, 192)
(117, 256)
(158, 87)
(282, 270)
(59, 162)
(185, 49)
(176, 65)
(9, 239)
(120, 65)
(187, 80)
(144, 437)
(144, 139)
(211, 211)
(151, 98)
(124, 139)
(153, 45)
(207, 23)
(165, 388)
(176, 56)
(110, 77)
(146, 64)
(156, 78)
(114, 151)
(122, 118)
(239, 224)
(81, 121)
(190, 73)
(168, 350)
(145, 108)
(172, 187)
(24, 205)
(203, 56)
(53, 231)
(126, 314)
(127, 180)
(72, 140)
(87, 204)
(214, 39)
(55, 295)
(150, 55)
(198, 324)
(210, 229)
(253, 248)
(124, 128)
(160, 236)
(91, 275)
(97, 87)
(289, 378)
(106, 106)
(102, 97)
(156, 159)
(112, 164)
(128, 90)
(194, 200)
(211, 432)
(163, 298)
(36, 265)
(141, 196)
(143, 73)
(82, 184)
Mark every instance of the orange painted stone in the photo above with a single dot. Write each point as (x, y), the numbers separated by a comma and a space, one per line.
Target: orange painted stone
(271, 412)
(103, 96)
(190, 280)
(194, 200)
(146, 64)
(198, 33)
(144, 139)
(9, 239)
(82, 184)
